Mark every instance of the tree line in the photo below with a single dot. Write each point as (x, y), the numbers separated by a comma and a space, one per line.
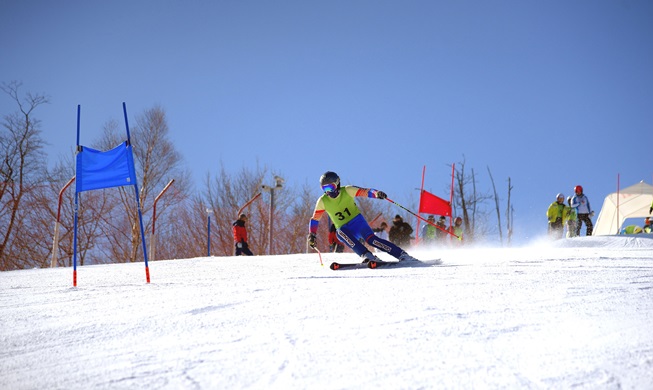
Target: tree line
(108, 228)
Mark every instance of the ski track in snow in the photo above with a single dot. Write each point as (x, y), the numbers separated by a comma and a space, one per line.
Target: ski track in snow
(537, 317)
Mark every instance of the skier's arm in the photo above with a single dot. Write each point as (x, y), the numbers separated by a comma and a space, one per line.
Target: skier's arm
(365, 192)
(317, 215)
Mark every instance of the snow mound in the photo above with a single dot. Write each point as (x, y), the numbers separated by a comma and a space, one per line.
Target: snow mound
(635, 241)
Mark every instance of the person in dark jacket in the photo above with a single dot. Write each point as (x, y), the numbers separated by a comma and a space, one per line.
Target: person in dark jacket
(400, 232)
(240, 237)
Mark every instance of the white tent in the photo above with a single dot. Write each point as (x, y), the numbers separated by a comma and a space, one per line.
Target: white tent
(630, 202)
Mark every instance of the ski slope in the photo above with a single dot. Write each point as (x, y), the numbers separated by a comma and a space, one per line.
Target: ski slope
(577, 313)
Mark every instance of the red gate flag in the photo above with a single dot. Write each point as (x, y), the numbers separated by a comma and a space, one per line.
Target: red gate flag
(431, 204)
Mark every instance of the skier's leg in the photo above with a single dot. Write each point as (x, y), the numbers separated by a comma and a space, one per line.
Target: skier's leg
(351, 240)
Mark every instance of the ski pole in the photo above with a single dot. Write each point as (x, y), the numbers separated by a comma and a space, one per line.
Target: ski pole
(427, 221)
(320, 255)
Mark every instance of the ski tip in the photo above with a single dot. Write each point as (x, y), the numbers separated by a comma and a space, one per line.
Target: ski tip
(334, 266)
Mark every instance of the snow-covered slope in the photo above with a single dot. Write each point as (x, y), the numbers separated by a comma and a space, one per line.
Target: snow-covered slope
(536, 317)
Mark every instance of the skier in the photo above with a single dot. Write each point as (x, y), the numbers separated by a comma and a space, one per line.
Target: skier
(582, 205)
(339, 203)
(240, 237)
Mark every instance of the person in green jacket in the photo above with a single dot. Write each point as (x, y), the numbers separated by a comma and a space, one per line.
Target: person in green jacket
(557, 215)
(571, 219)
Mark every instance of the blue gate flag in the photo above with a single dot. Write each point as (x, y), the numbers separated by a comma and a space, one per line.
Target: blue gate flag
(97, 170)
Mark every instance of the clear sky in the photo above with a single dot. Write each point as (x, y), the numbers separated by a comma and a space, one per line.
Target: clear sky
(549, 93)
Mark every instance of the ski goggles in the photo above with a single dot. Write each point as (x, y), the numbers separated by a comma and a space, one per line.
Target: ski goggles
(331, 187)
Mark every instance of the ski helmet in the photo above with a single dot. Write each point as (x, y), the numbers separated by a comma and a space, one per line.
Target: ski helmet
(330, 178)
(560, 195)
(578, 189)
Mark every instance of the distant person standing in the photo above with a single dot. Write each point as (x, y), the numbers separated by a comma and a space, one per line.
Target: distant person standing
(429, 231)
(400, 232)
(457, 229)
(582, 205)
(556, 215)
(571, 219)
(441, 233)
(240, 237)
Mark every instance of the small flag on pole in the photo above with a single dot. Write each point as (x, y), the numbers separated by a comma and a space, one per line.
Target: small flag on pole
(431, 204)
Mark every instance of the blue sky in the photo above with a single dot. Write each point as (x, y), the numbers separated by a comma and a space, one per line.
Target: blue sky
(549, 93)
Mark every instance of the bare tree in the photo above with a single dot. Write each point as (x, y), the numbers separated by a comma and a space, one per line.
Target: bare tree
(496, 202)
(509, 214)
(225, 194)
(469, 203)
(21, 170)
(156, 161)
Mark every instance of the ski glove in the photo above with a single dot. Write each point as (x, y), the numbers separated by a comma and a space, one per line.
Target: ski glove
(650, 210)
(381, 195)
(311, 240)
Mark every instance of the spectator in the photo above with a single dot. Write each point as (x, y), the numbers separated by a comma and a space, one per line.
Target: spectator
(583, 210)
(457, 229)
(429, 231)
(571, 219)
(240, 236)
(334, 244)
(556, 215)
(441, 233)
(400, 232)
(647, 225)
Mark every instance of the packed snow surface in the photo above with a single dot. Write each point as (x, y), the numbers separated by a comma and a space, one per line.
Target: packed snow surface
(550, 316)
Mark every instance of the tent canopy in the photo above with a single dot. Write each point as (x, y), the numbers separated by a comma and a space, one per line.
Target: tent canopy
(630, 202)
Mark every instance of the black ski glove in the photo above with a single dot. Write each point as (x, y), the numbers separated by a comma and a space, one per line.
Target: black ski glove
(650, 210)
(311, 240)
(381, 195)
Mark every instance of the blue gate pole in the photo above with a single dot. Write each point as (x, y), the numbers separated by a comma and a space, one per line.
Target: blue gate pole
(208, 232)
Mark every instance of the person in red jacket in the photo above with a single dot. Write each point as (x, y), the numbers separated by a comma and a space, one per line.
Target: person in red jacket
(240, 237)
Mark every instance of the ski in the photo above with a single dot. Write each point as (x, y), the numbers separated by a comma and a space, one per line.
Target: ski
(378, 264)
(336, 266)
(383, 264)
(401, 264)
